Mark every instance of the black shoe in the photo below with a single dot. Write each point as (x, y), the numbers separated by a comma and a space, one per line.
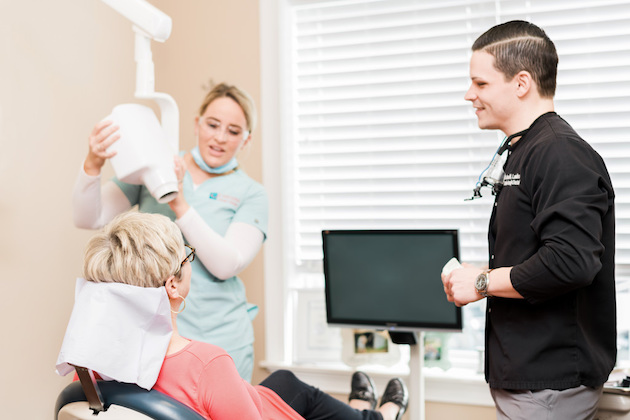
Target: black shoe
(396, 392)
(362, 388)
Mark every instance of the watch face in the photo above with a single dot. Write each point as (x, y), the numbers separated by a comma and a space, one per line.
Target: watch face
(480, 284)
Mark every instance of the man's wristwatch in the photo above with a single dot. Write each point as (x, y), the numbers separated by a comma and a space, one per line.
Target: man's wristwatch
(482, 283)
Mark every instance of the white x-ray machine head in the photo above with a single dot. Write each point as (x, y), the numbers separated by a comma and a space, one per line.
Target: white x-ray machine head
(146, 148)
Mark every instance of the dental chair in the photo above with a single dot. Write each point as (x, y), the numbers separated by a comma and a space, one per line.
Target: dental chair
(110, 400)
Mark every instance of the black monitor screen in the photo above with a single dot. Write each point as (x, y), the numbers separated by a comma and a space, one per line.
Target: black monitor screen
(389, 279)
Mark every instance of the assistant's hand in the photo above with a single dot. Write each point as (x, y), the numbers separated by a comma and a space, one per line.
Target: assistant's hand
(103, 135)
(459, 285)
(179, 205)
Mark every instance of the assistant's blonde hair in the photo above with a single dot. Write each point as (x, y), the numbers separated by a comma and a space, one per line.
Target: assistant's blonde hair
(139, 249)
(242, 98)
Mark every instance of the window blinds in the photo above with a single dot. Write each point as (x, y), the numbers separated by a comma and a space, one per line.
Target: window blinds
(381, 137)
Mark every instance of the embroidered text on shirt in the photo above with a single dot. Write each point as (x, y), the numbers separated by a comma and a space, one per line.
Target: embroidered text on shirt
(510, 180)
(225, 198)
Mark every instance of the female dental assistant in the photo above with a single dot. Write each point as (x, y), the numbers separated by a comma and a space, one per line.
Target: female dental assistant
(220, 210)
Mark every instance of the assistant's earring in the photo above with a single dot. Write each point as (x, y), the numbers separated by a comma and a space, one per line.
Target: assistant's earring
(181, 309)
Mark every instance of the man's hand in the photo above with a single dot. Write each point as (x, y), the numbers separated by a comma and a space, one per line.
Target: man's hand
(459, 285)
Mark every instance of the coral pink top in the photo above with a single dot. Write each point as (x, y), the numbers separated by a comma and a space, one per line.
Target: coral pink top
(204, 377)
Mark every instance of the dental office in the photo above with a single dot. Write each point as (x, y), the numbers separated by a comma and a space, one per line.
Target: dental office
(362, 125)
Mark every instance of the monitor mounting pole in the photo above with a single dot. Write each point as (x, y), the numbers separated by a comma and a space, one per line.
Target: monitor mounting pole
(415, 340)
(416, 379)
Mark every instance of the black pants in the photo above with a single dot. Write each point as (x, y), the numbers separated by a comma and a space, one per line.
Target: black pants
(310, 402)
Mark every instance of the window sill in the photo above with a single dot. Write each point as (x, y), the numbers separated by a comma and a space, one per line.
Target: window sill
(455, 386)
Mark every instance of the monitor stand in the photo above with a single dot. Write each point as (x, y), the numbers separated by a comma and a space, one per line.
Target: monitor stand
(416, 373)
(403, 337)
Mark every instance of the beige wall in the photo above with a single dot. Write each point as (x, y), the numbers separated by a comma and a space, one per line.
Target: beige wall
(63, 65)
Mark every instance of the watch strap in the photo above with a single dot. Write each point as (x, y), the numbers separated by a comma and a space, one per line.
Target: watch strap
(484, 292)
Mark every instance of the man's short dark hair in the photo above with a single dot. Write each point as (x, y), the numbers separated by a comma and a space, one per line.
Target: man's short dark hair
(519, 45)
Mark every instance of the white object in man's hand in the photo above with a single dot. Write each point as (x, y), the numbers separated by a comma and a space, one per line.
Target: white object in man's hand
(451, 265)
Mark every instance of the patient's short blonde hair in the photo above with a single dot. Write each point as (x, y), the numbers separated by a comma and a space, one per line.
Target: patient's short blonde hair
(139, 249)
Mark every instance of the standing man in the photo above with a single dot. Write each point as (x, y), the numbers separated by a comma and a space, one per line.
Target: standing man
(551, 315)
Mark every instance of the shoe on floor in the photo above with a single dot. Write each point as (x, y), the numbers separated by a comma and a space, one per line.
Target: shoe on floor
(396, 392)
(362, 388)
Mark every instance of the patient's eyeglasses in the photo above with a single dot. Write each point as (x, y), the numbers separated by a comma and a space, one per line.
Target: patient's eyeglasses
(190, 257)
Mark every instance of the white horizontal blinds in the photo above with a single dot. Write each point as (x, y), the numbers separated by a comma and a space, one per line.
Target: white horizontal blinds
(383, 137)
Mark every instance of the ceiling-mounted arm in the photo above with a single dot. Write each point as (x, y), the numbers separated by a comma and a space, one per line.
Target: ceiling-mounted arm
(145, 88)
(155, 23)
(150, 23)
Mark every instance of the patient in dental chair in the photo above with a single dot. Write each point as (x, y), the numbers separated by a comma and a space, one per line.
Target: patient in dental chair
(147, 251)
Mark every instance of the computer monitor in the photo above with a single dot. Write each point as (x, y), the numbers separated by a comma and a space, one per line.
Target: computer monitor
(389, 279)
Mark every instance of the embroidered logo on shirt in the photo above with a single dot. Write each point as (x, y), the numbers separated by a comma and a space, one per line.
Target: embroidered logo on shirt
(510, 180)
(225, 198)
